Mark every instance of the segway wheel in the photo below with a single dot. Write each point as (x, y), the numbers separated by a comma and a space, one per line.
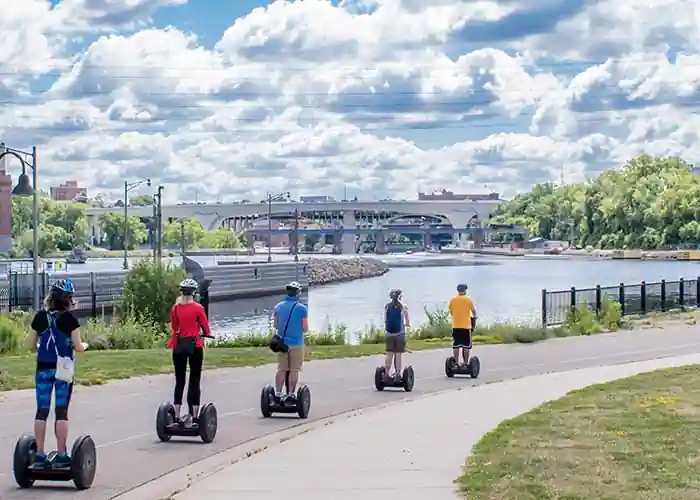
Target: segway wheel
(449, 365)
(474, 367)
(379, 376)
(266, 396)
(25, 450)
(164, 418)
(83, 460)
(409, 378)
(208, 422)
(303, 402)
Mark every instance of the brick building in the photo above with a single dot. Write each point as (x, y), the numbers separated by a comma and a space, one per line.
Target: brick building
(68, 191)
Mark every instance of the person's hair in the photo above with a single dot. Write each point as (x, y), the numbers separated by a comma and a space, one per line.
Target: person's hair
(58, 301)
(292, 292)
(396, 301)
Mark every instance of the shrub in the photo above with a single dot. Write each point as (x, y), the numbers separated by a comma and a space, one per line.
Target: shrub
(611, 314)
(150, 290)
(13, 335)
(124, 334)
(582, 321)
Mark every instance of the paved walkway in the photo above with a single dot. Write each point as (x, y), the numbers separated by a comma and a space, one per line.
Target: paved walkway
(411, 450)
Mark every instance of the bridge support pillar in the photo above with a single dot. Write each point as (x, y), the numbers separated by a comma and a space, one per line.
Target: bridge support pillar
(347, 244)
(380, 248)
(94, 232)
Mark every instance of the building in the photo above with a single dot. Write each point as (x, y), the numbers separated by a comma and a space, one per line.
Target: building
(316, 199)
(68, 191)
(446, 195)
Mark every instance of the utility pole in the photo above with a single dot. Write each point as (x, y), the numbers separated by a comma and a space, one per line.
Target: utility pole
(159, 220)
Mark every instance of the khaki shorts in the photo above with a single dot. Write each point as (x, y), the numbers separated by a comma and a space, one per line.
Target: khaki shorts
(396, 343)
(291, 360)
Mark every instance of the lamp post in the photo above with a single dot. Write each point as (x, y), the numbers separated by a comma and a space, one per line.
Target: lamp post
(24, 188)
(270, 198)
(128, 187)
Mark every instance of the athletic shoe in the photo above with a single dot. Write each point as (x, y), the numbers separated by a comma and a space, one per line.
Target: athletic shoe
(62, 460)
(40, 461)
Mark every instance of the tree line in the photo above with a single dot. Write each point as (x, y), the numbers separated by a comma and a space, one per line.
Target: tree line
(650, 203)
(63, 227)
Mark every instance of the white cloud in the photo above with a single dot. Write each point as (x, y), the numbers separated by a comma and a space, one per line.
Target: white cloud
(383, 96)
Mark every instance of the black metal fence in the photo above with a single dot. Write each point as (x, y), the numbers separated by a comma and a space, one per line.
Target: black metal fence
(96, 292)
(634, 299)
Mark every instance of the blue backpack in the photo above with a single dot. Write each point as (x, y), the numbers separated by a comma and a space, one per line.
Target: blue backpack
(53, 342)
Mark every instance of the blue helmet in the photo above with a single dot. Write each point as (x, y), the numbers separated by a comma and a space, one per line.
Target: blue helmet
(461, 288)
(65, 286)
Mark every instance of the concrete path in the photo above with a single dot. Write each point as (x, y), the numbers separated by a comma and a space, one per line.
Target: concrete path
(411, 450)
(121, 415)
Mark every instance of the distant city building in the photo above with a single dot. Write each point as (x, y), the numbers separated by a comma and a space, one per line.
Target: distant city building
(68, 191)
(316, 199)
(446, 195)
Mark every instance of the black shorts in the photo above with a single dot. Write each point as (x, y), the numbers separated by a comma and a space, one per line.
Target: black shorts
(461, 338)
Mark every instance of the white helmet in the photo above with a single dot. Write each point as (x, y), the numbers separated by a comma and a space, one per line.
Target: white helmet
(188, 286)
(294, 287)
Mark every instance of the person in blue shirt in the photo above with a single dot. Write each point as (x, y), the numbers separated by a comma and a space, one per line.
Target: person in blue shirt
(55, 336)
(291, 322)
(396, 321)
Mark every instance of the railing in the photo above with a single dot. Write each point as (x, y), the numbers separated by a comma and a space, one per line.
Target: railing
(634, 299)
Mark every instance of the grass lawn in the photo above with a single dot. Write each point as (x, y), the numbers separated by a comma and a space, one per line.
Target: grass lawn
(632, 439)
(97, 367)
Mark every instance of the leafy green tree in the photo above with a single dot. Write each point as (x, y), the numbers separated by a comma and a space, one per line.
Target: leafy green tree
(194, 232)
(150, 290)
(142, 200)
(221, 238)
(112, 225)
(651, 202)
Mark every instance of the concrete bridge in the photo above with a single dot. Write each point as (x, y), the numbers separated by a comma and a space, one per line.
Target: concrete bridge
(459, 214)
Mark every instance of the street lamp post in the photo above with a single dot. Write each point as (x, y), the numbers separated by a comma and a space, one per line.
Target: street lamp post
(128, 187)
(270, 198)
(24, 188)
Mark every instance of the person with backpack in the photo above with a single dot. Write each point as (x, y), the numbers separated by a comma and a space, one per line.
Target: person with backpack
(55, 335)
(291, 322)
(189, 324)
(396, 322)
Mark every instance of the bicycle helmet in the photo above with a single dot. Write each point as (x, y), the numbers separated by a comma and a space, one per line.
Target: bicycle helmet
(395, 293)
(461, 288)
(294, 288)
(63, 286)
(188, 287)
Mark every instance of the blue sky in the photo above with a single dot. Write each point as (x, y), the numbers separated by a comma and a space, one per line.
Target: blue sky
(383, 97)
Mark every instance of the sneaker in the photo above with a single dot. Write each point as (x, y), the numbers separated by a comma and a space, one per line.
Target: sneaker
(187, 422)
(290, 399)
(40, 461)
(61, 461)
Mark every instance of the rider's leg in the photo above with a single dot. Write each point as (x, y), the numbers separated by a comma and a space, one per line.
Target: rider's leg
(466, 349)
(194, 389)
(389, 360)
(282, 368)
(64, 390)
(456, 345)
(400, 345)
(296, 359)
(44, 381)
(180, 366)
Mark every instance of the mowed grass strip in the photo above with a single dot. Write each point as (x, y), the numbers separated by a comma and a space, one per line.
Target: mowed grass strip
(632, 439)
(98, 367)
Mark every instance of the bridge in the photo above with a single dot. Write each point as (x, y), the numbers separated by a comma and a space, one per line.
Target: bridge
(459, 214)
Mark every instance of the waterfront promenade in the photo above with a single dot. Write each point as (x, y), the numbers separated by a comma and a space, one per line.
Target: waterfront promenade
(120, 415)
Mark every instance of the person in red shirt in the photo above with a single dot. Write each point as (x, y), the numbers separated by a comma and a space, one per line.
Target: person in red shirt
(189, 324)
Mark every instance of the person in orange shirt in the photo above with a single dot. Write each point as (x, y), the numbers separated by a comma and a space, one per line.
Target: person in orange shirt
(463, 314)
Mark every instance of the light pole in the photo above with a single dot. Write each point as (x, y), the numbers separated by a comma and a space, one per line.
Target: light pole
(128, 187)
(270, 198)
(159, 220)
(24, 188)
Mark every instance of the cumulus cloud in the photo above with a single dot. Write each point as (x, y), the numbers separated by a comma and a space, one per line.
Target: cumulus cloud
(383, 97)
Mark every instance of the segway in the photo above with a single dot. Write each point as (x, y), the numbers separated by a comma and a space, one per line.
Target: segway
(472, 368)
(81, 470)
(406, 380)
(205, 428)
(271, 404)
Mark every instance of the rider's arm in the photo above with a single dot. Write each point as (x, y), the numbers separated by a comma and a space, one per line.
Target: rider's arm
(38, 325)
(68, 323)
(203, 321)
(305, 319)
(276, 318)
(449, 306)
(406, 319)
(77, 341)
(33, 339)
(174, 325)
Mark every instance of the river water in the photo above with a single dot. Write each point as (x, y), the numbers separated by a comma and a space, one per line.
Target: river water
(503, 288)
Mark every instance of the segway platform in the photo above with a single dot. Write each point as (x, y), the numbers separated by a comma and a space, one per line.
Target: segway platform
(205, 429)
(81, 470)
(405, 381)
(472, 368)
(270, 404)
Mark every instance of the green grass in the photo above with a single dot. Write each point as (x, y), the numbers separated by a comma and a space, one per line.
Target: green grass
(97, 367)
(633, 439)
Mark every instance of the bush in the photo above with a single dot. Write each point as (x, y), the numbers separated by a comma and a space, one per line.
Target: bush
(150, 290)
(611, 314)
(13, 336)
(124, 334)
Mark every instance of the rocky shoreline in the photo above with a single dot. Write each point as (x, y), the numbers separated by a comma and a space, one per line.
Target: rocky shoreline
(327, 271)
